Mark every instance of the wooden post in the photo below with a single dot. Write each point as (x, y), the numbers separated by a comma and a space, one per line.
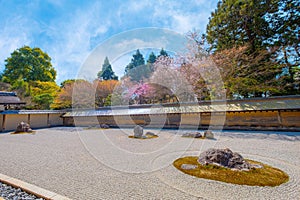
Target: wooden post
(279, 118)
(48, 120)
(3, 123)
(28, 119)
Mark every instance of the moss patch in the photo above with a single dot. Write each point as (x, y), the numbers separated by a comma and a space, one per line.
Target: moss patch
(32, 132)
(148, 137)
(202, 137)
(266, 176)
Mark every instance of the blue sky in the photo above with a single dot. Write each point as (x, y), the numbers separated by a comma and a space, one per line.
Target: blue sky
(70, 30)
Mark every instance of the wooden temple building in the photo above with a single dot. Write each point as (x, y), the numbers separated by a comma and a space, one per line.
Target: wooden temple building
(10, 101)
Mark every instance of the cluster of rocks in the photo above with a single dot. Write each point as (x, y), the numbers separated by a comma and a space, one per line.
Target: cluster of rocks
(23, 127)
(104, 126)
(101, 126)
(207, 134)
(138, 132)
(10, 193)
(225, 158)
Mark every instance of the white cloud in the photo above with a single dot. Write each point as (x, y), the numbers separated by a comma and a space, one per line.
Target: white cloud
(103, 28)
(186, 23)
(73, 39)
(135, 43)
(66, 38)
(182, 16)
(70, 36)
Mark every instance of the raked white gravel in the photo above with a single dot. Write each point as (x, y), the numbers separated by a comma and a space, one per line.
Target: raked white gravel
(106, 164)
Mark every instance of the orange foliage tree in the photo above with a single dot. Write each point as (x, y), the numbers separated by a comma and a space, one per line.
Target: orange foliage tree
(104, 90)
(83, 94)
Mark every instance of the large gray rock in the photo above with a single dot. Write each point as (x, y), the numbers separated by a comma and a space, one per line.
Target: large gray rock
(208, 134)
(138, 131)
(225, 158)
(23, 127)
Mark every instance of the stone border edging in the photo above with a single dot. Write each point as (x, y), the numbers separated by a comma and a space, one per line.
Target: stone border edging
(31, 189)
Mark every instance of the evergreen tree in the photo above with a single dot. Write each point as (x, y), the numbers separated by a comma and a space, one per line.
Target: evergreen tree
(286, 26)
(152, 58)
(136, 61)
(136, 69)
(163, 53)
(107, 73)
(236, 23)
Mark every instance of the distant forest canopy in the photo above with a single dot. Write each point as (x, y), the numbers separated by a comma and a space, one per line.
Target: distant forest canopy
(250, 49)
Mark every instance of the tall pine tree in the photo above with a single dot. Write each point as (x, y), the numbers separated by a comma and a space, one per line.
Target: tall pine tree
(163, 53)
(152, 58)
(136, 61)
(107, 73)
(136, 69)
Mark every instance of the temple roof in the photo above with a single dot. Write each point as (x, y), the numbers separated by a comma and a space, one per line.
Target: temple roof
(9, 98)
(261, 104)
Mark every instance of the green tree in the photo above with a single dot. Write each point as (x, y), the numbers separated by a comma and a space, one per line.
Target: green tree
(236, 23)
(29, 64)
(107, 73)
(152, 58)
(163, 53)
(286, 26)
(136, 69)
(21, 88)
(269, 29)
(136, 61)
(43, 94)
(148, 69)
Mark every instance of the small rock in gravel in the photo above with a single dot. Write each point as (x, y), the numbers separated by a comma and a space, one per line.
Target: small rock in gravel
(192, 134)
(104, 126)
(151, 133)
(208, 134)
(138, 131)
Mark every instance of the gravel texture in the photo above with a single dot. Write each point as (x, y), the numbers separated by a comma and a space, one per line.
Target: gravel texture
(106, 164)
(10, 193)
